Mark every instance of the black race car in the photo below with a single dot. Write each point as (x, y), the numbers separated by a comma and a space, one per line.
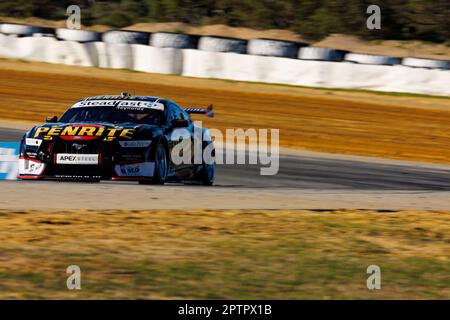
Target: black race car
(121, 137)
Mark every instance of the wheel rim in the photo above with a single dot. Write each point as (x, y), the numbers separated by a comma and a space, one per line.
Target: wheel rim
(161, 162)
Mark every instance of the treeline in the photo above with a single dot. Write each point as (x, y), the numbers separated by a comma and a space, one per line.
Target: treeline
(315, 19)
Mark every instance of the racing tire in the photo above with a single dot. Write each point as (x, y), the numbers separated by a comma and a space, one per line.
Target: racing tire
(320, 54)
(207, 174)
(125, 36)
(371, 59)
(78, 35)
(426, 63)
(173, 40)
(222, 44)
(274, 48)
(22, 30)
(161, 166)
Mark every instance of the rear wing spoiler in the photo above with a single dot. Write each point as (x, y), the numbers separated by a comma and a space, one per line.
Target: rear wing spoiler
(208, 111)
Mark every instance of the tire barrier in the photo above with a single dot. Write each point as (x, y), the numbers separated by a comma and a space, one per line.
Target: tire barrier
(371, 59)
(23, 29)
(426, 63)
(9, 160)
(49, 35)
(78, 35)
(114, 55)
(73, 53)
(123, 36)
(222, 44)
(273, 48)
(321, 54)
(26, 48)
(220, 65)
(173, 40)
(228, 65)
(48, 49)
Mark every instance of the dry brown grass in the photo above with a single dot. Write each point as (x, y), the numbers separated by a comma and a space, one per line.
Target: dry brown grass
(323, 120)
(279, 254)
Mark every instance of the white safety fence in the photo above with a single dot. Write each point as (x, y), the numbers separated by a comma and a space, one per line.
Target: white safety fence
(230, 65)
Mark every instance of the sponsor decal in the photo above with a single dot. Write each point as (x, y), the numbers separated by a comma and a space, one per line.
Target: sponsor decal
(68, 158)
(140, 105)
(69, 176)
(135, 143)
(121, 104)
(131, 158)
(82, 132)
(143, 169)
(33, 142)
(30, 167)
(95, 103)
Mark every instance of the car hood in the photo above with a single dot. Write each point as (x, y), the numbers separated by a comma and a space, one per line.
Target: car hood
(90, 131)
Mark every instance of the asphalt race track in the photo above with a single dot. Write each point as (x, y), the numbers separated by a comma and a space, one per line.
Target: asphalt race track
(302, 177)
(7, 134)
(310, 172)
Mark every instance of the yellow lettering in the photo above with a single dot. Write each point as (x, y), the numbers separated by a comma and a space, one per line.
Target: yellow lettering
(69, 131)
(54, 131)
(112, 132)
(40, 130)
(127, 133)
(86, 131)
(100, 131)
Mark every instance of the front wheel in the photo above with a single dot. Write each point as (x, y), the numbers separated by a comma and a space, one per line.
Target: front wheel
(161, 166)
(207, 174)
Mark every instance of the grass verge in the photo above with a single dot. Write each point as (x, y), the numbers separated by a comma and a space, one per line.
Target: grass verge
(235, 254)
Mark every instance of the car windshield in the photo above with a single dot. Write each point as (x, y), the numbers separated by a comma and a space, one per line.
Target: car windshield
(136, 115)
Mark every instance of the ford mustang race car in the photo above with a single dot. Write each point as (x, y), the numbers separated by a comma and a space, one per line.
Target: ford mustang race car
(120, 137)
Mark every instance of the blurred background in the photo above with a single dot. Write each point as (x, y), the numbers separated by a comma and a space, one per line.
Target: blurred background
(314, 20)
(351, 104)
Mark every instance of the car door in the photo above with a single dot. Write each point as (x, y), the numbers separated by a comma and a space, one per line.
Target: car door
(177, 135)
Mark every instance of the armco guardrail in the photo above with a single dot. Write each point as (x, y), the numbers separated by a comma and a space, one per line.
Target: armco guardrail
(9, 160)
(262, 60)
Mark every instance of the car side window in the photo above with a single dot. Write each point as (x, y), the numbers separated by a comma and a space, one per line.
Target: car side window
(174, 112)
(181, 114)
(185, 115)
(170, 115)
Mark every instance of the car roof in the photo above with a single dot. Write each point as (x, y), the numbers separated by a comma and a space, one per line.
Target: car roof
(127, 97)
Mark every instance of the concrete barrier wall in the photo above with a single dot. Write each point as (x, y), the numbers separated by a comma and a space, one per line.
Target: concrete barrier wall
(228, 65)
(347, 75)
(157, 60)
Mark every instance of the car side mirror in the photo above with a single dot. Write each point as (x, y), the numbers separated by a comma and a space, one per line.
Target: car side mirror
(180, 123)
(51, 119)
